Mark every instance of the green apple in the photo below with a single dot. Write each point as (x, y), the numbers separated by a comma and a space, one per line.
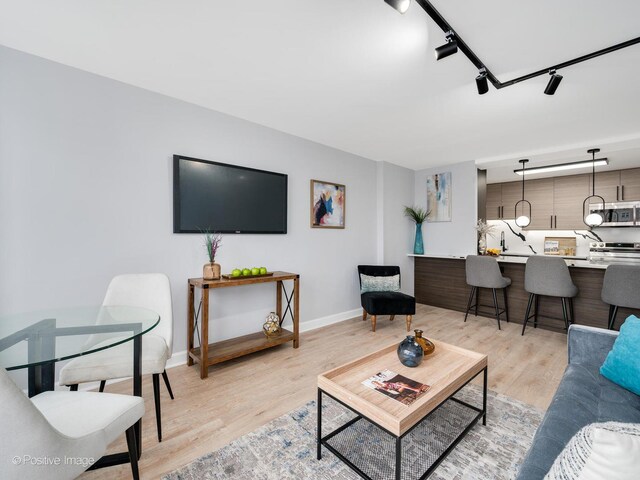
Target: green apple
(255, 271)
(246, 272)
(263, 271)
(236, 272)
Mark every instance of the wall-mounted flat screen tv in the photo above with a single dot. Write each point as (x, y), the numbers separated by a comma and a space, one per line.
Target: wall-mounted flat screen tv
(224, 198)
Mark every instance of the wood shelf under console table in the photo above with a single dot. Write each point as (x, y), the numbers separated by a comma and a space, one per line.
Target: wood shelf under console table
(209, 354)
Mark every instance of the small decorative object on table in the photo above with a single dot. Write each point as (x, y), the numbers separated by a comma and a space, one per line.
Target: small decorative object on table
(493, 252)
(410, 352)
(271, 326)
(211, 270)
(483, 230)
(427, 345)
(418, 215)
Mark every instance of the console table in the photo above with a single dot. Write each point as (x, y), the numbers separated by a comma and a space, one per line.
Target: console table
(209, 354)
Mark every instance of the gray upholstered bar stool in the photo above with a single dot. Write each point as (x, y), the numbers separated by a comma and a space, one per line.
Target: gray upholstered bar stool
(621, 288)
(548, 277)
(484, 272)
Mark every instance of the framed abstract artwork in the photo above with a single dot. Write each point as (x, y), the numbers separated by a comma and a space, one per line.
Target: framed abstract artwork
(439, 197)
(327, 204)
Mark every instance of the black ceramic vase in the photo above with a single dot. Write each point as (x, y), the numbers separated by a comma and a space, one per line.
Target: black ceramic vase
(410, 352)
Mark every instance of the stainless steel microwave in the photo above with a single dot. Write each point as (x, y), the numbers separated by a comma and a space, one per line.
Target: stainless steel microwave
(619, 214)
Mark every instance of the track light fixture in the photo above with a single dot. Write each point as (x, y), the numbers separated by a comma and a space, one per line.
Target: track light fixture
(481, 82)
(448, 48)
(400, 5)
(554, 82)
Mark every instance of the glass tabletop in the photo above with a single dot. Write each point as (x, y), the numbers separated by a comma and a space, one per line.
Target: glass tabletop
(33, 338)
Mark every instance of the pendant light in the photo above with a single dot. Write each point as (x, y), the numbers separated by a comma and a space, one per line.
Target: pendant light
(593, 219)
(523, 220)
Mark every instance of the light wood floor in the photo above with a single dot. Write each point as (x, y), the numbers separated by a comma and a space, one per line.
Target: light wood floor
(242, 395)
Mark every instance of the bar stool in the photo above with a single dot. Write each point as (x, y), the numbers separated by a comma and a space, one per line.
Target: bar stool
(621, 288)
(484, 272)
(548, 277)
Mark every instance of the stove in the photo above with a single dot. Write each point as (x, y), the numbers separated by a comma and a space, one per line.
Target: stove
(614, 252)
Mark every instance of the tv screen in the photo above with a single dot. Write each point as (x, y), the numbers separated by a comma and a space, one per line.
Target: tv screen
(224, 198)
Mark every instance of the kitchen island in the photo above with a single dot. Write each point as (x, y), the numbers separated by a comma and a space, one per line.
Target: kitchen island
(440, 281)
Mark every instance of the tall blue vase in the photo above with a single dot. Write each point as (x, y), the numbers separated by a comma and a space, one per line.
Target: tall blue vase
(418, 246)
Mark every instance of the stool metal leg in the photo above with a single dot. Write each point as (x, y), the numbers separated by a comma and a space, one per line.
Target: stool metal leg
(495, 305)
(613, 314)
(572, 317)
(466, 313)
(526, 315)
(564, 313)
(506, 304)
(535, 313)
(477, 299)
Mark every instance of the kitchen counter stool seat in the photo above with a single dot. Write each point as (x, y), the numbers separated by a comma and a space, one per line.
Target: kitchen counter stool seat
(621, 288)
(548, 277)
(484, 272)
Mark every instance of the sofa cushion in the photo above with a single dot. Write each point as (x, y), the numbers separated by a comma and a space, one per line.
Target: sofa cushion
(388, 303)
(600, 450)
(368, 283)
(622, 364)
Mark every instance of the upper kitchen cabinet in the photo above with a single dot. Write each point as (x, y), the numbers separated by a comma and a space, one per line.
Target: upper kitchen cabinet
(618, 186)
(630, 184)
(494, 201)
(568, 195)
(511, 194)
(540, 193)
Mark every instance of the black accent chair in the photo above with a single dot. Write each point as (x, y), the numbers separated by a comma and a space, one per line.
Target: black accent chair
(385, 303)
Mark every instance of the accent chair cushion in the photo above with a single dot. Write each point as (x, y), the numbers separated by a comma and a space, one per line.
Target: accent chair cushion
(622, 365)
(388, 303)
(390, 283)
(600, 451)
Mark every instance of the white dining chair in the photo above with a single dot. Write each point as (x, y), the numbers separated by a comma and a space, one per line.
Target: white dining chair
(144, 290)
(54, 435)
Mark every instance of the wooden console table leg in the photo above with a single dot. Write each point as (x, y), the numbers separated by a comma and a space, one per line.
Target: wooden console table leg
(279, 300)
(190, 322)
(296, 312)
(204, 347)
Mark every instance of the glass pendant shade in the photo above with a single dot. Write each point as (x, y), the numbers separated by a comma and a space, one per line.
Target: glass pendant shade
(594, 219)
(523, 221)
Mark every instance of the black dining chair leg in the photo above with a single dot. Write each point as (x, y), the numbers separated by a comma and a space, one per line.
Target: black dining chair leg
(535, 312)
(495, 305)
(572, 317)
(156, 397)
(506, 304)
(132, 446)
(466, 313)
(612, 321)
(165, 377)
(73, 388)
(477, 299)
(526, 315)
(564, 313)
(102, 385)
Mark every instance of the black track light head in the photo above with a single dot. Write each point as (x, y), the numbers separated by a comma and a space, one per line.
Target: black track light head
(554, 83)
(400, 5)
(448, 48)
(481, 82)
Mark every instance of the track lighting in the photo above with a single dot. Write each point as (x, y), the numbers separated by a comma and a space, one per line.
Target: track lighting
(448, 48)
(481, 82)
(554, 83)
(400, 5)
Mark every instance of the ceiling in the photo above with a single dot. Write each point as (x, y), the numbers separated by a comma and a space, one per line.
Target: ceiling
(358, 76)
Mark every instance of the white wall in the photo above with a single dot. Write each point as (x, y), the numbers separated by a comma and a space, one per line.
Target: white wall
(398, 231)
(86, 193)
(458, 236)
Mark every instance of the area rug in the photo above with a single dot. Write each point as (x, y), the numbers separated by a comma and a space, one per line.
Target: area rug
(285, 449)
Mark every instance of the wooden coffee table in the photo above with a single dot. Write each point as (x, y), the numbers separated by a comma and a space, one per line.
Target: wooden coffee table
(447, 371)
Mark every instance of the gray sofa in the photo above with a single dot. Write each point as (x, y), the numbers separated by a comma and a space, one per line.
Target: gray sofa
(583, 397)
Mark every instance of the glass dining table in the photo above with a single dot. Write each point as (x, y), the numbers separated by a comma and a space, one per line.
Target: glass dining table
(35, 341)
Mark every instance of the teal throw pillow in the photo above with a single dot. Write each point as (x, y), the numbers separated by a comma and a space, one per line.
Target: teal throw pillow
(389, 283)
(622, 365)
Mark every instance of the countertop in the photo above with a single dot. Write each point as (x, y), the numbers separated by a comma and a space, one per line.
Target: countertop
(577, 262)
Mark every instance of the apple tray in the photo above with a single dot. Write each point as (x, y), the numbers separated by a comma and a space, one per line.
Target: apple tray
(228, 276)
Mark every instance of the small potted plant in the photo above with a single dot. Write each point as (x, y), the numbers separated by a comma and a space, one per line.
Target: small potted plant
(418, 215)
(211, 270)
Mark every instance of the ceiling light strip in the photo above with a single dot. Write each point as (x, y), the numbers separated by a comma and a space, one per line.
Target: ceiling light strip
(598, 162)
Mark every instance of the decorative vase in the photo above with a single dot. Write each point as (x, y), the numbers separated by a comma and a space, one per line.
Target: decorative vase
(418, 246)
(427, 345)
(482, 245)
(410, 352)
(271, 325)
(211, 271)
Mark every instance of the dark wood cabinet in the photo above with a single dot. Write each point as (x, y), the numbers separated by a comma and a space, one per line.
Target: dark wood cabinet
(540, 193)
(568, 196)
(494, 201)
(630, 184)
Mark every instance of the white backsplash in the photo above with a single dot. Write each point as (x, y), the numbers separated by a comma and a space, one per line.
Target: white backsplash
(535, 239)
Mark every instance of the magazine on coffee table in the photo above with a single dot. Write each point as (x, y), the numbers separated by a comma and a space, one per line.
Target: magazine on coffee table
(398, 387)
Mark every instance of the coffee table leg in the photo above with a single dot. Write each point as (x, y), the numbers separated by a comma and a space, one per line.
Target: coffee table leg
(319, 434)
(398, 458)
(484, 397)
